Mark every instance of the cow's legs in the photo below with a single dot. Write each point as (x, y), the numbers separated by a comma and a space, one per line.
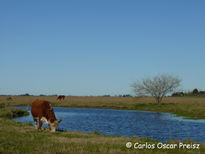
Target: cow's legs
(40, 123)
(35, 121)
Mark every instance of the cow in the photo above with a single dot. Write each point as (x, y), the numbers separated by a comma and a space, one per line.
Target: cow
(42, 110)
(9, 99)
(61, 97)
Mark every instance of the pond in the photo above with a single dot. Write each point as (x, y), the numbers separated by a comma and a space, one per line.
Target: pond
(158, 126)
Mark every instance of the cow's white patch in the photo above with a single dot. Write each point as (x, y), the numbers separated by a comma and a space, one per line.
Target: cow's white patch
(45, 120)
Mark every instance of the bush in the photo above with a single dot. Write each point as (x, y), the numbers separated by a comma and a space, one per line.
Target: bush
(195, 92)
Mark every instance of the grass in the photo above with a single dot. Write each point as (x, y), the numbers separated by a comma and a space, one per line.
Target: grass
(12, 113)
(18, 137)
(190, 107)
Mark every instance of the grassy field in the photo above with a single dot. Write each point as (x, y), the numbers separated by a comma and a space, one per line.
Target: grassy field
(23, 138)
(190, 107)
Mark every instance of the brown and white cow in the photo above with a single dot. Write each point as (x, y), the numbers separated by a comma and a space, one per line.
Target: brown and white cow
(61, 97)
(42, 110)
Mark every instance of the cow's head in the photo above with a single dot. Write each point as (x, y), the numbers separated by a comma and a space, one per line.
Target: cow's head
(53, 124)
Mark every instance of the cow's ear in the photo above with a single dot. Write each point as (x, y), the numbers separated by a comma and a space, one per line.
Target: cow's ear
(59, 121)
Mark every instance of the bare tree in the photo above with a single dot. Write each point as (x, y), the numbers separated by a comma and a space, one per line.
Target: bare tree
(158, 86)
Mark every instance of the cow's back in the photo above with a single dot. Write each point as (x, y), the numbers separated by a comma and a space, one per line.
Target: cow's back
(39, 108)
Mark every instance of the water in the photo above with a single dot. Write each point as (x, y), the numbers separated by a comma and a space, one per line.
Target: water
(158, 126)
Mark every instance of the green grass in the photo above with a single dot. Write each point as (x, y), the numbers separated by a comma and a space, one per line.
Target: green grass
(188, 111)
(18, 137)
(12, 113)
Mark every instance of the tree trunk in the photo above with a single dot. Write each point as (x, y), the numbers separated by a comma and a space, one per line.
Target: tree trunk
(158, 99)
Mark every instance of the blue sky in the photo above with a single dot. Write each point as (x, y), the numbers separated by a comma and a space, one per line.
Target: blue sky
(99, 47)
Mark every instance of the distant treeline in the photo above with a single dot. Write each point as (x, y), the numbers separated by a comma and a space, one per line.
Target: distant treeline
(195, 92)
(126, 95)
(27, 94)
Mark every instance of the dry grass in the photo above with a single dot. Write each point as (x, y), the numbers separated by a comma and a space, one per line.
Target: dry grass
(193, 107)
(100, 99)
